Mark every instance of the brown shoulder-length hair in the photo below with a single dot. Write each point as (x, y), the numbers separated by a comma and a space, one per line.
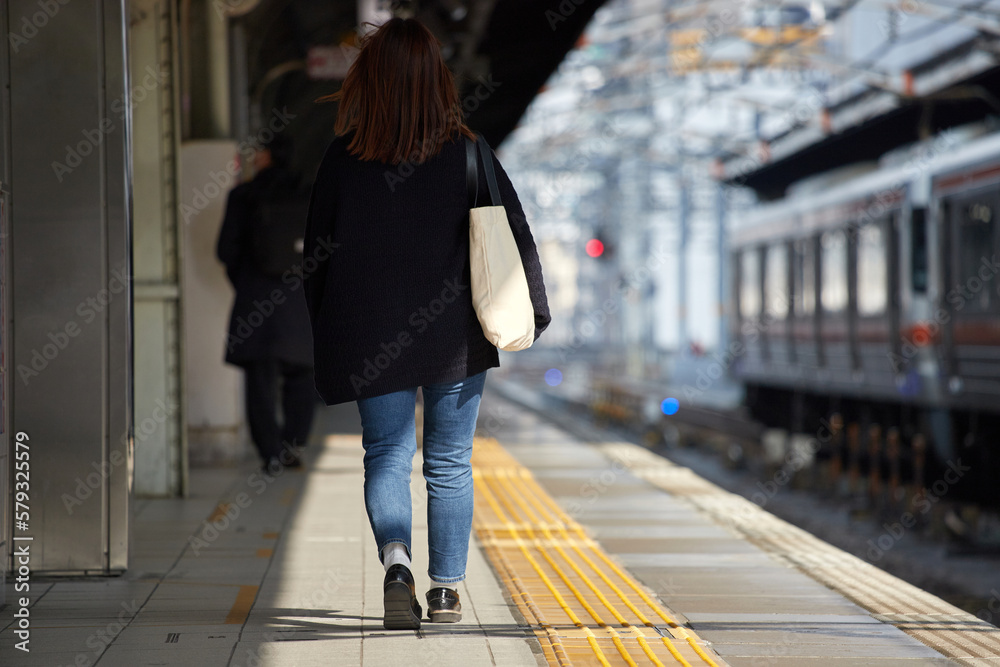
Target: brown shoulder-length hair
(399, 97)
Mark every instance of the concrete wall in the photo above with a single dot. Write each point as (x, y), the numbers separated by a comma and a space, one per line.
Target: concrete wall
(216, 432)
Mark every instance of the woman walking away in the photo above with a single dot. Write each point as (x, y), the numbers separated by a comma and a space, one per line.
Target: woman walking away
(391, 304)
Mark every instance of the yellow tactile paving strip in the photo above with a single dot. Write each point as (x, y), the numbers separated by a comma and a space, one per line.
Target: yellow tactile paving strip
(583, 608)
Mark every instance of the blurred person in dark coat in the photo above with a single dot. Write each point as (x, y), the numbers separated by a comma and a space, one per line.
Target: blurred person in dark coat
(269, 331)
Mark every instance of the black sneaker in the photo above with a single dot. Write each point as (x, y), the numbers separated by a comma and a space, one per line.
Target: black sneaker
(399, 599)
(443, 606)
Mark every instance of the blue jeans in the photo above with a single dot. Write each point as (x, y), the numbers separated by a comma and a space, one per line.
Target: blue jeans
(389, 438)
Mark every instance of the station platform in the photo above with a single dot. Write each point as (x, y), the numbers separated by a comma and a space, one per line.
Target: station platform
(586, 551)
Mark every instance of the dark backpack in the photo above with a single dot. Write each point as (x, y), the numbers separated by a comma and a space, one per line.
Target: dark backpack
(279, 230)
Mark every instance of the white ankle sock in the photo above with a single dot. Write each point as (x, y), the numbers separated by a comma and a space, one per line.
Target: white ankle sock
(440, 584)
(393, 553)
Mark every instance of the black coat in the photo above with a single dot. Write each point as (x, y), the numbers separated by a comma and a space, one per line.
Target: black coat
(269, 318)
(389, 294)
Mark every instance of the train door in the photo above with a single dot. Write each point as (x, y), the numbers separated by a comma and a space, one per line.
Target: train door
(972, 297)
(921, 326)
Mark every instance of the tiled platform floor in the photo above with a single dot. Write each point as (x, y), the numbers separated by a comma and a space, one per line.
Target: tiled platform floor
(291, 576)
(292, 579)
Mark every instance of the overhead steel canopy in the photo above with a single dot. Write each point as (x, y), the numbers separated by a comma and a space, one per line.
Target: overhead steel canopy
(955, 87)
(502, 51)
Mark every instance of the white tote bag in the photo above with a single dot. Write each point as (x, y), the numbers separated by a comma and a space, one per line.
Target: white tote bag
(499, 286)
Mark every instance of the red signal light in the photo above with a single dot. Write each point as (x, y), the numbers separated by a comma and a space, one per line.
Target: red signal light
(922, 334)
(595, 248)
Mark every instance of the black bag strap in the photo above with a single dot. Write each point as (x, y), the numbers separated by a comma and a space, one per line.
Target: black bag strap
(491, 179)
(472, 171)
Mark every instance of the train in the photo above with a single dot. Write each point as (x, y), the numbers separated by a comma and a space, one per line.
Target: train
(873, 293)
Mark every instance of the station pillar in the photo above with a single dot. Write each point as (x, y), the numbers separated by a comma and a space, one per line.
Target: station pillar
(67, 332)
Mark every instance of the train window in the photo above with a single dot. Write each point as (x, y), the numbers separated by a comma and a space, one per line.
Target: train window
(873, 287)
(975, 240)
(833, 282)
(804, 277)
(776, 282)
(749, 284)
(918, 250)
